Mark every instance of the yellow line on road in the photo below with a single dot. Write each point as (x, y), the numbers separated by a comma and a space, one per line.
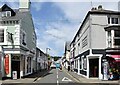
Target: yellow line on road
(71, 76)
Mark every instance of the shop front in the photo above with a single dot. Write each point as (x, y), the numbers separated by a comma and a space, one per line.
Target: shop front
(114, 67)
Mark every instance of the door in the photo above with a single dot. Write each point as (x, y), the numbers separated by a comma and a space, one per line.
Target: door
(94, 67)
(16, 67)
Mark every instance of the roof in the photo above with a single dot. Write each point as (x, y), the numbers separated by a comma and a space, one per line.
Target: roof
(15, 13)
(19, 15)
(95, 12)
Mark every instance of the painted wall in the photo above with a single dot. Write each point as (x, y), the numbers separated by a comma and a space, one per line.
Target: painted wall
(98, 34)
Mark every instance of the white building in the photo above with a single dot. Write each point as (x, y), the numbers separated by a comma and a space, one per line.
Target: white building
(17, 40)
(96, 39)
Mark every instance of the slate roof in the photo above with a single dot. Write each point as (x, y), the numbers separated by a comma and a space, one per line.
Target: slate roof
(17, 16)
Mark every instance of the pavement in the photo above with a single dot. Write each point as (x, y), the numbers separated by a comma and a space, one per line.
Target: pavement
(91, 80)
(28, 79)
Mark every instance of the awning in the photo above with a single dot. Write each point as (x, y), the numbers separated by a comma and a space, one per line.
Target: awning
(116, 57)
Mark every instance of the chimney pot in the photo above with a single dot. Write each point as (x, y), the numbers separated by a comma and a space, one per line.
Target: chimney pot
(100, 7)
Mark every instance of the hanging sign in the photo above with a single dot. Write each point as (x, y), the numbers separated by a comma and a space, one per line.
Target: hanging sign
(7, 64)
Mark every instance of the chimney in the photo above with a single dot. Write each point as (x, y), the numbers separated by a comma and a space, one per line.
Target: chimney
(24, 5)
(100, 7)
(94, 9)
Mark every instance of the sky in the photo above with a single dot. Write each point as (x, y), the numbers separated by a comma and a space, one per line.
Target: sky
(57, 21)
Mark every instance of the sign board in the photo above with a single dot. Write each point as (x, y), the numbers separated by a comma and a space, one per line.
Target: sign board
(7, 64)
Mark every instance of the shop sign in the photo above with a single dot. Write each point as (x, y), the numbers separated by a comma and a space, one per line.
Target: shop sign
(7, 64)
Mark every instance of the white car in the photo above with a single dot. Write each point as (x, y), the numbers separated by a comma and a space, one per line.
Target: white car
(53, 66)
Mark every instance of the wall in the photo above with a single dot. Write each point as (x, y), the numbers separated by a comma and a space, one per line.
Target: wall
(98, 34)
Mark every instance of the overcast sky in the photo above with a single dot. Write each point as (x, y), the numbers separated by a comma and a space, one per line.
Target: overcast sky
(57, 21)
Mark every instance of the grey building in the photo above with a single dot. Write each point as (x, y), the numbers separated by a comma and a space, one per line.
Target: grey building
(96, 39)
(42, 60)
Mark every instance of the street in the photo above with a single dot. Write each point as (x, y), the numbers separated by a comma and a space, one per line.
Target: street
(57, 76)
(54, 76)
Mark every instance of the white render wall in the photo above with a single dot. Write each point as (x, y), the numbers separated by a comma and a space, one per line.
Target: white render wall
(98, 34)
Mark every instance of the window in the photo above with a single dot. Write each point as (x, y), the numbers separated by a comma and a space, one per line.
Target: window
(8, 13)
(84, 42)
(80, 62)
(108, 20)
(117, 33)
(1, 35)
(117, 37)
(112, 20)
(5, 14)
(23, 38)
(117, 42)
(109, 39)
(85, 63)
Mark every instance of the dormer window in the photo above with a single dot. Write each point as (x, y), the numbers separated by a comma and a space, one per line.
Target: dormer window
(8, 13)
(5, 14)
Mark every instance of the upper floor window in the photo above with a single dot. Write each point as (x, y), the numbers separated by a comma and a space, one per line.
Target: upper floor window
(1, 35)
(5, 14)
(117, 37)
(112, 20)
(8, 13)
(109, 39)
(84, 42)
(23, 38)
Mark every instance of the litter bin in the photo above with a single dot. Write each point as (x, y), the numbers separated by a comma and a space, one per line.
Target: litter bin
(14, 74)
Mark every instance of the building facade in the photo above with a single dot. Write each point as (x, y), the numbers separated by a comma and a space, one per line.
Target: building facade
(42, 60)
(96, 42)
(17, 40)
(67, 55)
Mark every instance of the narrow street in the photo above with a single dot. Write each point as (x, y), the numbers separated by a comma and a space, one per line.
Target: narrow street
(54, 77)
(57, 76)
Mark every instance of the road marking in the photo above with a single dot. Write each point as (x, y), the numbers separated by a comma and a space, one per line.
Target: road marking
(66, 79)
(57, 82)
(71, 76)
(57, 76)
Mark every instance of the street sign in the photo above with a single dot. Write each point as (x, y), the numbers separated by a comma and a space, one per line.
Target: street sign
(66, 79)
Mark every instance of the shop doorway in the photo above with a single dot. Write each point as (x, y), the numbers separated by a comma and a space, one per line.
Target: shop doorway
(16, 67)
(94, 67)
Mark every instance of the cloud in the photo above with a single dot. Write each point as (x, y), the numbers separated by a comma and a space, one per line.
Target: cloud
(55, 35)
(37, 6)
